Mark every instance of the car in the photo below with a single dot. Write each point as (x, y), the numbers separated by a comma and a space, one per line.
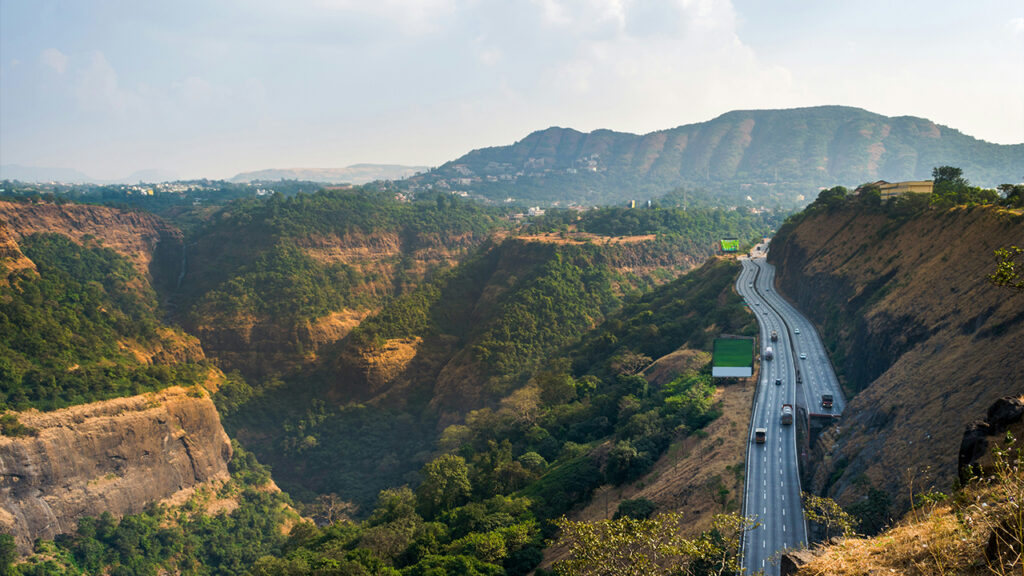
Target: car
(796, 330)
(803, 356)
(757, 303)
(778, 381)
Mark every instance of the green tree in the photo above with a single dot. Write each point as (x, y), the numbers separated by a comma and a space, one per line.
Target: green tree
(638, 508)
(445, 485)
(1013, 195)
(650, 547)
(1007, 273)
(8, 554)
(948, 177)
(829, 514)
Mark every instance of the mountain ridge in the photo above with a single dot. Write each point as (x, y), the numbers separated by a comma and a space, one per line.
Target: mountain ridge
(771, 156)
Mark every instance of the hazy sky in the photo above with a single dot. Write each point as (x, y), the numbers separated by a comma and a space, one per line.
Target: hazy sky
(210, 88)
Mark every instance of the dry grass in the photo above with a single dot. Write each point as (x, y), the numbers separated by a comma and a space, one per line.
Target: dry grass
(584, 238)
(980, 531)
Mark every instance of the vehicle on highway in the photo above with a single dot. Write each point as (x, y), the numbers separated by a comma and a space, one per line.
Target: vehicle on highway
(826, 401)
(787, 413)
(760, 435)
(775, 336)
(796, 330)
(803, 356)
(778, 381)
(769, 353)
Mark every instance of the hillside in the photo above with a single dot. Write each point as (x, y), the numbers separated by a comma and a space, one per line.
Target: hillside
(973, 530)
(774, 156)
(268, 282)
(138, 236)
(581, 421)
(116, 456)
(920, 340)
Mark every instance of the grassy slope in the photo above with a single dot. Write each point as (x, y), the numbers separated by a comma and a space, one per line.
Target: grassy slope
(913, 328)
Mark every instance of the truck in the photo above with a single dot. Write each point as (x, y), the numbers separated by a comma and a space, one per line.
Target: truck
(787, 413)
(769, 353)
(826, 401)
(775, 336)
(760, 435)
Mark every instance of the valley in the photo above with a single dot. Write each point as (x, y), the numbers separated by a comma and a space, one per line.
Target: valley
(434, 383)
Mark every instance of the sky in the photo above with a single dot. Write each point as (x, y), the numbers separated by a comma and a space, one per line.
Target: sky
(210, 88)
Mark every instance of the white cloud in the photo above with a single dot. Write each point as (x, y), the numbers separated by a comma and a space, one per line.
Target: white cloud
(1016, 25)
(412, 16)
(55, 59)
(97, 88)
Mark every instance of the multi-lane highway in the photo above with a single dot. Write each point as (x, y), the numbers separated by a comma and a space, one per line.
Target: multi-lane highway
(772, 481)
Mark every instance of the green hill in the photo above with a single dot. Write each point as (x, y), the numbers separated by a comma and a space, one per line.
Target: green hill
(773, 156)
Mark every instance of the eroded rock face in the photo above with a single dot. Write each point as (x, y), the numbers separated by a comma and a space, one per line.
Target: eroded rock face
(115, 456)
(136, 235)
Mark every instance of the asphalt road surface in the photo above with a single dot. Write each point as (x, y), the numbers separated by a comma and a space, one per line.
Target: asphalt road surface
(772, 477)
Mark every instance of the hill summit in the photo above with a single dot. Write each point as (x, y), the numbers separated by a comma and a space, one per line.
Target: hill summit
(753, 156)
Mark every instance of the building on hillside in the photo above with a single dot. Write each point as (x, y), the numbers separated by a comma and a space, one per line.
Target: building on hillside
(893, 189)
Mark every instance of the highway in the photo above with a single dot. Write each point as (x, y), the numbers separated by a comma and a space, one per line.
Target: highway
(772, 472)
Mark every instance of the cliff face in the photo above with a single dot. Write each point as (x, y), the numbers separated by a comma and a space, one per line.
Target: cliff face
(139, 236)
(11, 257)
(115, 456)
(383, 263)
(923, 343)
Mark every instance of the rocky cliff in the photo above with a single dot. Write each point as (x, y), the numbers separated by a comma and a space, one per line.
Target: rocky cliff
(11, 257)
(115, 456)
(921, 341)
(139, 236)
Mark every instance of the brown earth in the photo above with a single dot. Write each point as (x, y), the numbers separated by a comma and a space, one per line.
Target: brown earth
(584, 238)
(915, 331)
(135, 235)
(114, 456)
(11, 257)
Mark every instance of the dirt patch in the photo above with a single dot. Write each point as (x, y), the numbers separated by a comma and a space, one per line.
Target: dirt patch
(584, 238)
(334, 326)
(665, 369)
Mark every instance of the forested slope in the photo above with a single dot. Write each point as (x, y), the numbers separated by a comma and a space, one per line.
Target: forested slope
(270, 281)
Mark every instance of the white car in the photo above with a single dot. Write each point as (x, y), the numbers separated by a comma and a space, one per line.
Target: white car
(803, 356)
(796, 330)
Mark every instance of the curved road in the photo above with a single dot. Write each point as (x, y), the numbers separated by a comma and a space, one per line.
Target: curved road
(772, 477)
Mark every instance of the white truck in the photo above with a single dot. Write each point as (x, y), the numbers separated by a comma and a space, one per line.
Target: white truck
(787, 413)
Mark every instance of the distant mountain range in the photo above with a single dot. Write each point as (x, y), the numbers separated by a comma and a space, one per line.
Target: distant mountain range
(354, 174)
(771, 156)
(72, 176)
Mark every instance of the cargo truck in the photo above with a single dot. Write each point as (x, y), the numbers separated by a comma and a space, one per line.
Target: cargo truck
(760, 435)
(826, 401)
(787, 413)
(768, 353)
